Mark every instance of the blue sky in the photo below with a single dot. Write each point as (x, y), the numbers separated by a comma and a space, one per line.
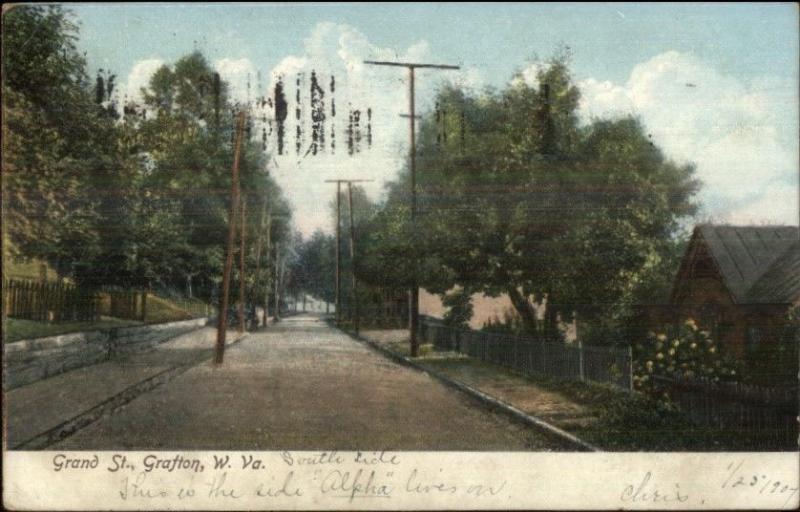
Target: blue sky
(740, 124)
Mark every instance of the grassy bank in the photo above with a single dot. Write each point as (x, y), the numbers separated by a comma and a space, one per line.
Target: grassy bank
(159, 310)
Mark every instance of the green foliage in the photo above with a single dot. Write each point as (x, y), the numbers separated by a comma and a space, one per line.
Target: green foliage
(59, 149)
(516, 197)
(139, 200)
(688, 353)
(459, 308)
(314, 267)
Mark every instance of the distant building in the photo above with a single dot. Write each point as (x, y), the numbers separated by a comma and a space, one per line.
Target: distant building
(487, 309)
(737, 282)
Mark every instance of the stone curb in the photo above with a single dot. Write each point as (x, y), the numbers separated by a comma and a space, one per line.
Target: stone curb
(110, 405)
(488, 400)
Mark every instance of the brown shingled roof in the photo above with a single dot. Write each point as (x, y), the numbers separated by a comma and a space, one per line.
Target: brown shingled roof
(760, 264)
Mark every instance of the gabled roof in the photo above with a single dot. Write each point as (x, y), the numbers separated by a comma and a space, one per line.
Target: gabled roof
(756, 261)
(780, 284)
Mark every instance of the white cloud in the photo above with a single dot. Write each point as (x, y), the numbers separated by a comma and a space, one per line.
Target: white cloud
(339, 50)
(529, 75)
(139, 77)
(742, 136)
(237, 73)
(777, 203)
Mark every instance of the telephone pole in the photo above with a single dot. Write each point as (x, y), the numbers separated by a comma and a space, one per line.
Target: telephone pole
(242, 246)
(222, 325)
(352, 247)
(413, 309)
(259, 241)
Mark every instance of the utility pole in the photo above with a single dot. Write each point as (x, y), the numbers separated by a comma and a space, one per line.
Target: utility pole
(276, 314)
(267, 283)
(352, 241)
(259, 242)
(222, 324)
(338, 273)
(413, 309)
(353, 257)
(243, 225)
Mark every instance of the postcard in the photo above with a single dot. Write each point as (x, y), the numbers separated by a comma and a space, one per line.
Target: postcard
(425, 256)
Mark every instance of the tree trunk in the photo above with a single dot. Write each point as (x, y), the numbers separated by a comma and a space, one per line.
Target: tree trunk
(524, 308)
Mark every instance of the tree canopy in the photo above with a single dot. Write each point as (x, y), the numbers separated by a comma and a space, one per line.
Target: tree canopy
(127, 195)
(517, 197)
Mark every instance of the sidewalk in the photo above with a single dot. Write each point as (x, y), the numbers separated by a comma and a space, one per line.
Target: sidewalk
(520, 392)
(72, 399)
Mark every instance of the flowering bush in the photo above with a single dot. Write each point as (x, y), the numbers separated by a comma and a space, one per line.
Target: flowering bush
(689, 353)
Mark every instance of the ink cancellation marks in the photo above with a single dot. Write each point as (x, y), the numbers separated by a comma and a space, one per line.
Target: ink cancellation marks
(353, 131)
(322, 118)
(317, 116)
(299, 132)
(281, 112)
(216, 88)
(333, 115)
(369, 128)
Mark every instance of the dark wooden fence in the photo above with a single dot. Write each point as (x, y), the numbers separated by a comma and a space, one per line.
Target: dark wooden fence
(49, 302)
(609, 365)
(760, 417)
(127, 304)
(62, 302)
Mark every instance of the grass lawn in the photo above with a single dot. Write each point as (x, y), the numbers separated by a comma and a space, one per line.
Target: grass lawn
(159, 310)
(32, 269)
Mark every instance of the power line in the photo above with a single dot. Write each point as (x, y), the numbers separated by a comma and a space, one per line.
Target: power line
(413, 310)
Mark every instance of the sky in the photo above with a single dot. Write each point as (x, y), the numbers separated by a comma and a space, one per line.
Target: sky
(713, 84)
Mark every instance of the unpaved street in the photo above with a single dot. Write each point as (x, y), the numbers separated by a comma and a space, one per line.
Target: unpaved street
(302, 385)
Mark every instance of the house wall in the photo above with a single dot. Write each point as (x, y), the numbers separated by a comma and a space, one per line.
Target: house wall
(484, 308)
(490, 308)
(707, 302)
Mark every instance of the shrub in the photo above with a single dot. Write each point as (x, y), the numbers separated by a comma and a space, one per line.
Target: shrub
(688, 353)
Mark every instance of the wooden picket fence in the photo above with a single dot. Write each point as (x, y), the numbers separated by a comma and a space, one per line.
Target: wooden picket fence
(529, 356)
(56, 302)
(765, 418)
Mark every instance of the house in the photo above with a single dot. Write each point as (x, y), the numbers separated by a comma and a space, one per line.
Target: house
(737, 282)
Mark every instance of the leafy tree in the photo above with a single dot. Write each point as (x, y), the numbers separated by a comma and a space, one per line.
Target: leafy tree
(316, 263)
(516, 197)
(60, 157)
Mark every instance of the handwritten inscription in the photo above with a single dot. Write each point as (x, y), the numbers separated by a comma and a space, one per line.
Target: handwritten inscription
(379, 475)
(743, 478)
(353, 476)
(737, 478)
(648, 491)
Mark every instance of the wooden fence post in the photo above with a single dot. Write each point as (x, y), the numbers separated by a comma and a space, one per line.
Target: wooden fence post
(144, 305)
(630, 367)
